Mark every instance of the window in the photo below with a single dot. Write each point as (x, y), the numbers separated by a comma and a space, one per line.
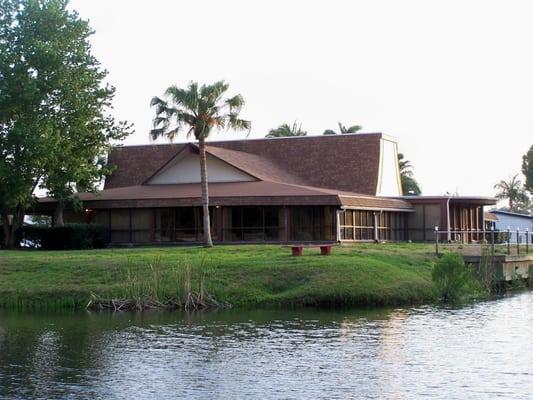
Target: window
(141, 225)
(164, 224)
(252, 223)
(120, 225)
(187, 223)
(100, 217)
(182, 224)
(312, 223)
(390, 225)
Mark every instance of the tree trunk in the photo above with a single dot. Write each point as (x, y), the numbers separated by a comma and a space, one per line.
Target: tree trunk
(6, 229)
(11, 230)
(58, 214)
(205, 193)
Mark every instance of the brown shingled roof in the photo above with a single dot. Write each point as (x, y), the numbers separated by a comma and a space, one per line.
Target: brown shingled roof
(341, 162)
(135, 164)
(340, 170)
(255, 165)
(233, 193)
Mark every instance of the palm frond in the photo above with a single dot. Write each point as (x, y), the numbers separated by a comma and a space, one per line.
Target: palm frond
(234, 122)
(186, 98)
(156, 133)
(187, 118)
(190, 132)
(351, 129)
(172, 133)
(213, 93)
(196, 109)
(354, 129)
(158, 121)
(284, 130)
(156, 101)
(235, 103)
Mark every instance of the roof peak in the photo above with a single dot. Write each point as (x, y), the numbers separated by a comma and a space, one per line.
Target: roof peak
(211, 142)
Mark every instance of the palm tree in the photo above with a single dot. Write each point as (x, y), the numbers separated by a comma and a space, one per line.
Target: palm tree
(510, 189)
(409, 184)
(343, 129)
(285, 130)
(405, 165)
(198, 110)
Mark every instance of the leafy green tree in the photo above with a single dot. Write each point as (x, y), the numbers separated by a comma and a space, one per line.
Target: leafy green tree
(527, 169)
(522, 203)
(80, 163)
(54, 122)
(285, 130)
(198, 110)
(84, 128)
(343, 129)
(510, 190)
(409, 184)
(21, 149)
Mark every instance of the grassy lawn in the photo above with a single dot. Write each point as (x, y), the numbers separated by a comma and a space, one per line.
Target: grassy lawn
(244, 276)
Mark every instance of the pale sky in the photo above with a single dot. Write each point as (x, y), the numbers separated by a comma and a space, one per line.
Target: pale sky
(451, 80)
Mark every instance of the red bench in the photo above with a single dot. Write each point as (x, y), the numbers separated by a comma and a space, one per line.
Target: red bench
(298, 249)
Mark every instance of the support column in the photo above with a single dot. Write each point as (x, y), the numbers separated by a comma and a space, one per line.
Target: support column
(286, 224)
(130, 225)
(152, 225)
(376, 231)
(338, 224)
(219, 224)
(482, 222)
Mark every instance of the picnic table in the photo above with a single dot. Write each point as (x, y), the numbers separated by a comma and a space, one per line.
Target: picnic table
(298, 249)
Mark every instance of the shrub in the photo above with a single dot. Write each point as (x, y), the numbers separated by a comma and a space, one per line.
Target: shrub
(67, 237)
(450, 276)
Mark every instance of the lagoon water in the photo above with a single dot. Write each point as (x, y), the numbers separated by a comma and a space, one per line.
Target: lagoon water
(478, 351)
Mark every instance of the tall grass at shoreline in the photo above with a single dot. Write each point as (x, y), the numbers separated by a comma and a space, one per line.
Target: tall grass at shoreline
(178, 286)
(243, 276)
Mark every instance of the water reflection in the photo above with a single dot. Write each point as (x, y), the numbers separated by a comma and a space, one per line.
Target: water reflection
(476, 351)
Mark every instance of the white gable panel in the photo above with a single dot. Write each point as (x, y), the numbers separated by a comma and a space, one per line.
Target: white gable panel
(187, 170)
(389, 178)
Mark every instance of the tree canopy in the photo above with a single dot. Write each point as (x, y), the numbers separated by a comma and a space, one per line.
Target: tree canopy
(55, 122)
(285, 130)
(198, 110)
(527, 169)
(410, 186)
(513, 191)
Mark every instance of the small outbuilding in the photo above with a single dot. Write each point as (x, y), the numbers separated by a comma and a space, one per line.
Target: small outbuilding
(510, 220)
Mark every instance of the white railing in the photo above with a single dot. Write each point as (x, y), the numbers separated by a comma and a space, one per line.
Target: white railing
(510, 239)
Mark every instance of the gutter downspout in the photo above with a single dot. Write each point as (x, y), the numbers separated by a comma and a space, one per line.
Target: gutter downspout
(448, 219)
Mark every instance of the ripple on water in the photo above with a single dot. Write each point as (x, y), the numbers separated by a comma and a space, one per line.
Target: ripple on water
(475, 351)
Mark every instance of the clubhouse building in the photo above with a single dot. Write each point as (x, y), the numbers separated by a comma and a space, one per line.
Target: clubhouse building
(299, 189)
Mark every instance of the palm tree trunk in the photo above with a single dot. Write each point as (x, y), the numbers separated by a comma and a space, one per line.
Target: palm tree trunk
(205, 193)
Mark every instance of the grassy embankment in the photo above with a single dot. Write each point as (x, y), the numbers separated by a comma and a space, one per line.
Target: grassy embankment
(243, 276)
